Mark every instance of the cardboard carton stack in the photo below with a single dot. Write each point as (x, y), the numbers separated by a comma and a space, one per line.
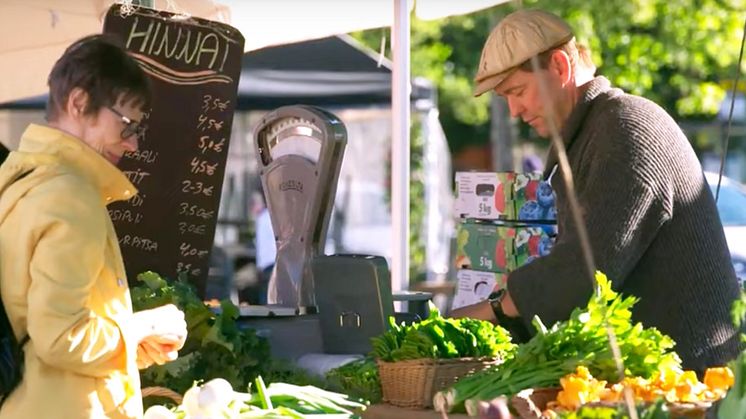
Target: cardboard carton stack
(507, 220)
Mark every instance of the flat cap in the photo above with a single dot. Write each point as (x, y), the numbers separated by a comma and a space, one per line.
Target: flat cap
(518, 37)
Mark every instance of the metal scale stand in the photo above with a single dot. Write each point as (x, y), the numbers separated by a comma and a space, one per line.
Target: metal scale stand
(347, 298)
(300, 151)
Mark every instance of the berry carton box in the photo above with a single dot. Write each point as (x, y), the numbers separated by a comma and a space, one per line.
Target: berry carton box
(504, 196)
(501, 247)
(475, 286)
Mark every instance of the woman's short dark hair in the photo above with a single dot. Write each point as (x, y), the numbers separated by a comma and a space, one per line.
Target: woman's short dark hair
(101, 67)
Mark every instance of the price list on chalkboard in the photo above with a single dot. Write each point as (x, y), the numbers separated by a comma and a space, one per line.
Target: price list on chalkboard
(178, 169)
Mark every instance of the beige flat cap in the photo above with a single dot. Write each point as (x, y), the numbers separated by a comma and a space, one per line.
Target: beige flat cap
(518, 37)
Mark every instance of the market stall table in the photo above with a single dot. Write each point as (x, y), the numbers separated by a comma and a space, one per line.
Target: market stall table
(386, 411)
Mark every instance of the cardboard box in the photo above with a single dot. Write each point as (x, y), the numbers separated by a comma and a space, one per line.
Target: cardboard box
(475, 286)
(504, 196)
(484, 195)
(500, 247)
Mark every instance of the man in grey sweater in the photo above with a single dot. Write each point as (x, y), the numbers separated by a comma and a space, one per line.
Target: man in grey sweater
(651, 219)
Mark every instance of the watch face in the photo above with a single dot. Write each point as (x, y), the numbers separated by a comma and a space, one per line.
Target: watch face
(497, 295)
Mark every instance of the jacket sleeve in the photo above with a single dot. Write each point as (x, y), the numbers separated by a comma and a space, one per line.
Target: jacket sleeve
(65, 330)
(623, 214)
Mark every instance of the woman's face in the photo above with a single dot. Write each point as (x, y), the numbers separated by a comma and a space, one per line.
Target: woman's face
(113, 130)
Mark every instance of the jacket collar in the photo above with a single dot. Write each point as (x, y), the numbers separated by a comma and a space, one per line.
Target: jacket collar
(110, 181)
(589, 92)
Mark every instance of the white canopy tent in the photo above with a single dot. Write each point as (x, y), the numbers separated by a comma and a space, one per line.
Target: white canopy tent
(35, 33)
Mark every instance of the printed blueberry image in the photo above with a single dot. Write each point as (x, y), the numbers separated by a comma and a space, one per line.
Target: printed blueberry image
(549, 213)
(530, 211)
(545, 245)
(545, 195)
(529, 260)
(550, 229)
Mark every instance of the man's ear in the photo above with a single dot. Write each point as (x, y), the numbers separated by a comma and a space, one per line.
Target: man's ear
(77, 103)
(560, 65)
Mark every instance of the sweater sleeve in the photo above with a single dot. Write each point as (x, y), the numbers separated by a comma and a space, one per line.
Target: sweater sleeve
(65, 329)
(622, 212)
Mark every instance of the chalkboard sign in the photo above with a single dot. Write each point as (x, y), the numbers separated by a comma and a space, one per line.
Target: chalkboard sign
(194, 66)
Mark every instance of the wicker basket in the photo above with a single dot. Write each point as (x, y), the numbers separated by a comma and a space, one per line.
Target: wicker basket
(413, 383)
(162, 392)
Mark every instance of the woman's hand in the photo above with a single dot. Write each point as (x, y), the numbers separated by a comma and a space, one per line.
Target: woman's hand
(161, 333)
(150, 352)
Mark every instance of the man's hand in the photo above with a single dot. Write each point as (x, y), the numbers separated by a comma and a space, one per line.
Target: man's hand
(483, 310)
(509, 307)
(480, 311)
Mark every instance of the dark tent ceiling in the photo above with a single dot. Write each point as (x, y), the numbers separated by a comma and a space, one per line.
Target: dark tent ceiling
(329, 72)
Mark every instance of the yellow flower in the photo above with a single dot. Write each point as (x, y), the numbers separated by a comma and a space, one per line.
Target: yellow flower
(641, 387)
(719, 379)
(580, 388)
(583, 373)
(688, 387)
(667, 378)
(574, 392)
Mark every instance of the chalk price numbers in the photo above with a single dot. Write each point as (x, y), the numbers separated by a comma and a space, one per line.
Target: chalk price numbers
(194, 216)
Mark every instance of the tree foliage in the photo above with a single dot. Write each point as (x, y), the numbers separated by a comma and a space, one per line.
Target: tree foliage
(678, 53)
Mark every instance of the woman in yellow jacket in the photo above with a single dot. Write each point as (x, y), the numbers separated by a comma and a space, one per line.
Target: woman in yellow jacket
(62, 280)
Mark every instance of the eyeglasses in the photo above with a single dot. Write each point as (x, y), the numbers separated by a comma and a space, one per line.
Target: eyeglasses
(131, 127)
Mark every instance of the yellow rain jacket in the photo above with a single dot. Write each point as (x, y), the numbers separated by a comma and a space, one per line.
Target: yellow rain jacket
(63, 283)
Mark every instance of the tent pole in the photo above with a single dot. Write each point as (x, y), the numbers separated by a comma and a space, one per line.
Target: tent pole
(400, 115)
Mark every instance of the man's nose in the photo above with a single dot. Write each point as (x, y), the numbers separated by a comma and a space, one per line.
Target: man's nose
(516, 109)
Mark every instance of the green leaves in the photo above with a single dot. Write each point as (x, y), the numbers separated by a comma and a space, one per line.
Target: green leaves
(359, 379)
(738, 313)
(440, 338)
(734, 404)
(642, 45)
(152, 280)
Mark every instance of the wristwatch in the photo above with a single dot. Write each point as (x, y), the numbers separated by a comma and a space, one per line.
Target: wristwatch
(514, 324)
(496, 299)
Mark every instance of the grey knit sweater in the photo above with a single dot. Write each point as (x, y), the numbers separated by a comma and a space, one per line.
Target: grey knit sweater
(653, 226)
